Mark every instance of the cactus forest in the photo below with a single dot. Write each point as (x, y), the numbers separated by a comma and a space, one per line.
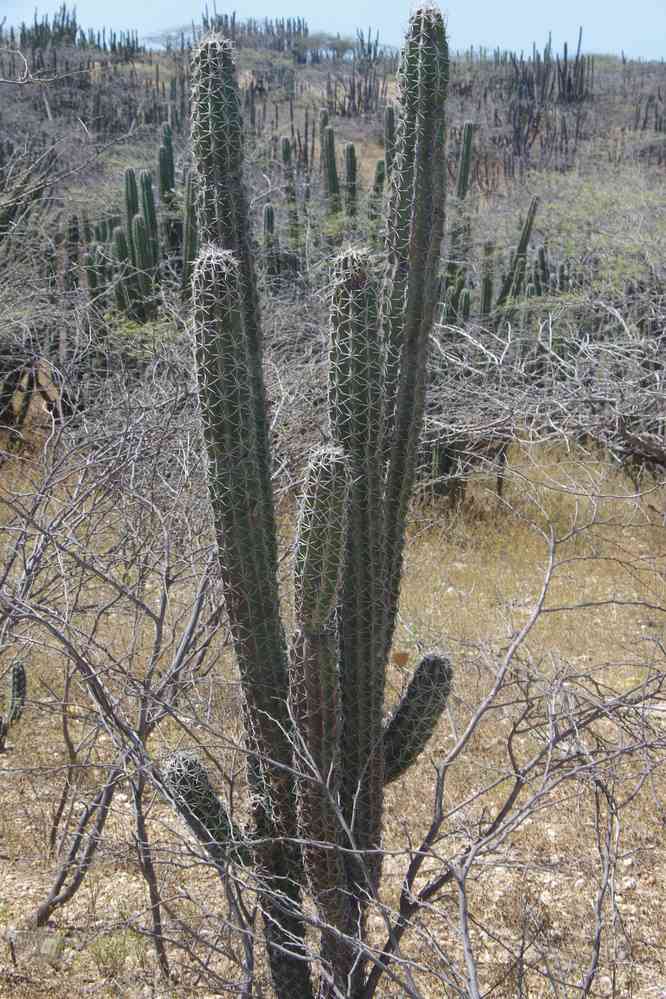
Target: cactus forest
(332, 512)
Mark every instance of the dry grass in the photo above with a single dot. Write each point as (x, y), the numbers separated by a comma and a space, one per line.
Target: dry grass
(470, 581)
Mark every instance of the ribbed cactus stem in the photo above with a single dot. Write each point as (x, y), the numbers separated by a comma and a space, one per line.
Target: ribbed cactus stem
(323, 123)
(189, 236)
(315, 674)
(351, 179)
(290, 192)
(245, 524)
(144, 259)
(389, 137)
(514, 279)
(222, 203)
(131, 207)
(331, 179)
(271, 242)
(166, 164)
(189, 785)
(409, 297)
(413, 722)
(18, 688)
(231, 395)
(320, 539)
(465, 161)
(356, 378)
(149, 213)
(125, 286)
(488, 267)
(544, 268)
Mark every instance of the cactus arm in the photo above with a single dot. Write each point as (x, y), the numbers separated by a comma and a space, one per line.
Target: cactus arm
(189, 786)
(413, 722)
(513, 281)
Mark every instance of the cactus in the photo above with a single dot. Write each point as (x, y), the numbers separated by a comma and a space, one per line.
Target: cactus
(409, 729)
(323, 123)
(377, 194)
(513, 282)
(166, 165)
(486, 305)
(149, 213)
(124, 283)
(189, 237)
(290, 193)
(131, 207)
(389, 137)
(331, 181)
(460, 238)
(18, 688)
(314, 719)
(188, 783)
(271, 242)
(350, 179)
(72, 253)
(16, 694)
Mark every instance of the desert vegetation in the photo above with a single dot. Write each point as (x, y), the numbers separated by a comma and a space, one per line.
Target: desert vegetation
(331, 510)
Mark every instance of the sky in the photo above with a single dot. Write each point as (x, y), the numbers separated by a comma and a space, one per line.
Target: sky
(638, 28)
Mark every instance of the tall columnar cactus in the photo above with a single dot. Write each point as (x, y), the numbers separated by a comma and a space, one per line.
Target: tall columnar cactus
(17, 688)
(351, 180)
(331, 180)
(271, 242)
(149, 212)
(460, 236)
(166, 165)
(290, 192)
(323, 124)
(515, 278)
(389, 137)
(314, 718)
(131, 207)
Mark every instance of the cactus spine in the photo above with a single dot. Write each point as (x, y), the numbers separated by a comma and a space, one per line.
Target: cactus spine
(353, 514)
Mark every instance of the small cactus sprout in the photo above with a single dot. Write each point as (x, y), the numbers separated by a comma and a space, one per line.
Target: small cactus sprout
(189, 785)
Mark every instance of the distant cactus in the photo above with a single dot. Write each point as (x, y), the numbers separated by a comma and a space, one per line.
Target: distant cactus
(17, 688)
(351, 180)
(149, 213)
(166, 165)
(331, 180)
